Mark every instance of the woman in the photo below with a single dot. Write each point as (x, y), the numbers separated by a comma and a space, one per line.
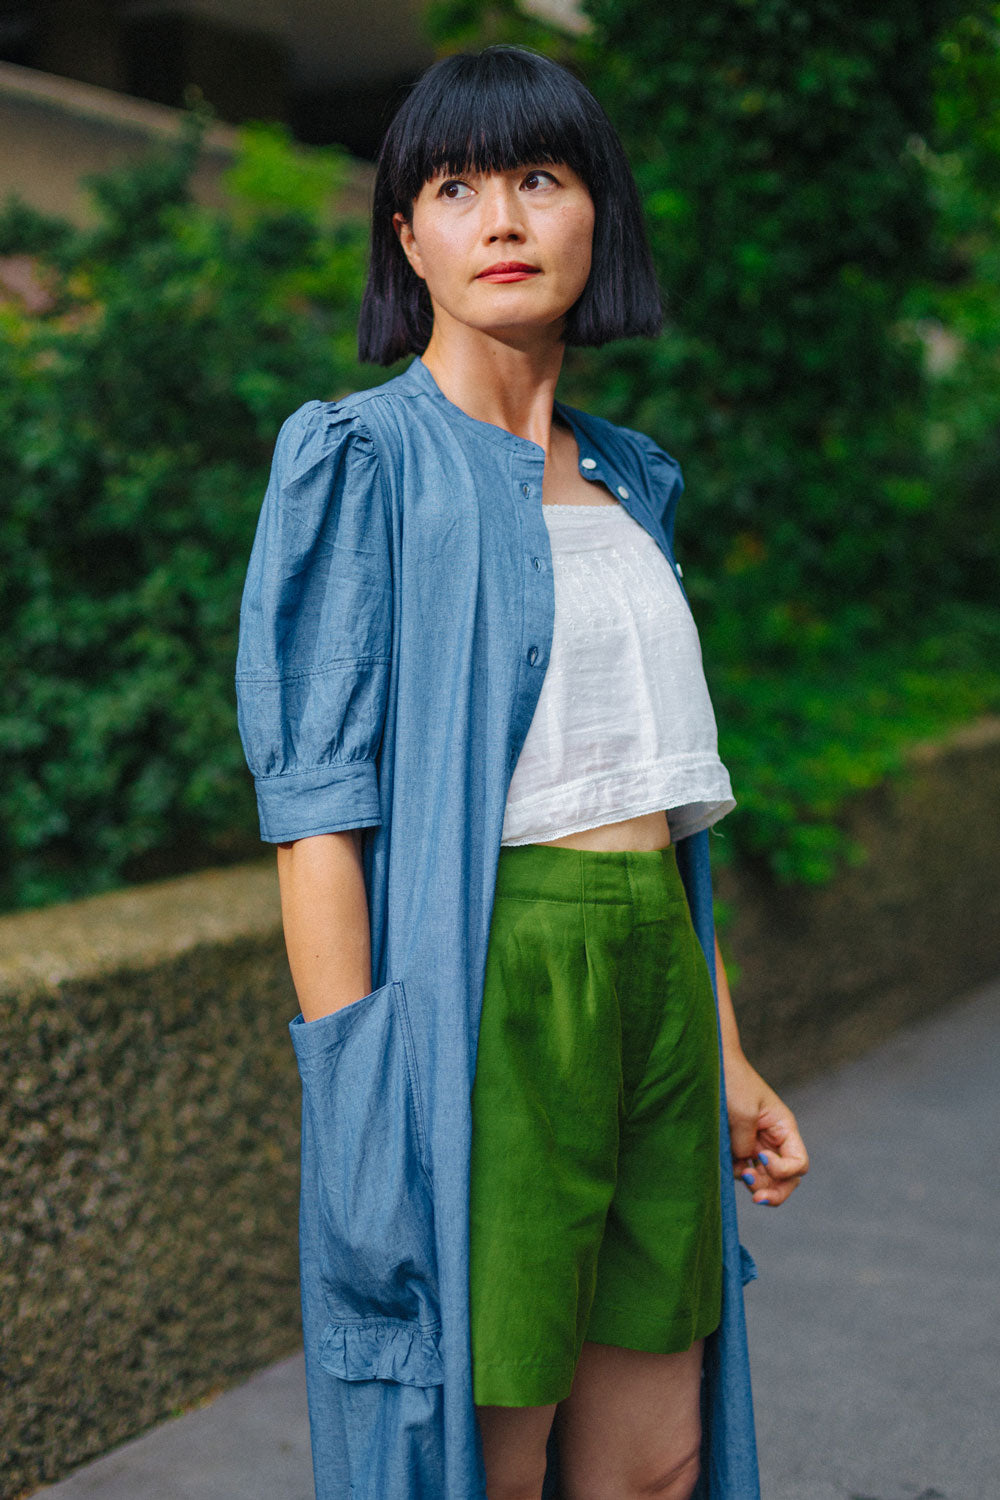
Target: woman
(495, 894)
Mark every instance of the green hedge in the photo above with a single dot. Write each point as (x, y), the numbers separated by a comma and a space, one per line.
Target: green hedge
(137, 417)
(820, 187)
(820, 193)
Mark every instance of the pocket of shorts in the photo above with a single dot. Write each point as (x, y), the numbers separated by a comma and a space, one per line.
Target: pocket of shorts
(365, 1152)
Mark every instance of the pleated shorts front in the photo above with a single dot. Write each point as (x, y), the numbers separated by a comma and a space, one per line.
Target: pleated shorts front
(595, 1194)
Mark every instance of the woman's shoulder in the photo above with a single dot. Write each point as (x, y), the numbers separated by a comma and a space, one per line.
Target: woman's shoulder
(358, 422)
(633, 451)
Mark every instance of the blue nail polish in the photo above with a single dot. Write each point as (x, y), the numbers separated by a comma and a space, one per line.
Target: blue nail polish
(763, 1160)
(764, 1202)
(748, 1178)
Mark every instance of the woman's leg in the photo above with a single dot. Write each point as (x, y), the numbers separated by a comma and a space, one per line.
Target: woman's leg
(631, 1426)
(514, 1439)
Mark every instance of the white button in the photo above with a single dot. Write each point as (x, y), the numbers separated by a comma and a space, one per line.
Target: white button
(680, 570)
(623, 492)
(589, 463)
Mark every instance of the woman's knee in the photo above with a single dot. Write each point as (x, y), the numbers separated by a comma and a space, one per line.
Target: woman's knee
(676, 1482)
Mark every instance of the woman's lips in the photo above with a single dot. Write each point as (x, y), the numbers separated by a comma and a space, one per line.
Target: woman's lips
(508, 270)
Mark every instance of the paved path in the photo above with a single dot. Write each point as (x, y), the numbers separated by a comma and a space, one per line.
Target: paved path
(875, 1325)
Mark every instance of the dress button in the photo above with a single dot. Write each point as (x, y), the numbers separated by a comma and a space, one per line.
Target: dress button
(623, 492)
(589, 463)
(533, 654)
(524, 489)
(535, 563)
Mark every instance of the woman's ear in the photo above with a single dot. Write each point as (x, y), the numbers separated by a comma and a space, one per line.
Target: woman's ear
(404, 233)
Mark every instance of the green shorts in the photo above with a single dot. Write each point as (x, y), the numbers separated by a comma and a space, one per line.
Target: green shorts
(595, 1194)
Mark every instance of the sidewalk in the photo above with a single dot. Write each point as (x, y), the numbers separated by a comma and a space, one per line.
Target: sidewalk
(874, 1327)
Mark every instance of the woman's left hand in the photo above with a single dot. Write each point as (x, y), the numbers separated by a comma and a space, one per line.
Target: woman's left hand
(768, 1152)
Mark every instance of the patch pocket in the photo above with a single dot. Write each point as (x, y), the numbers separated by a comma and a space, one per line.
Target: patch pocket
(364, 1157)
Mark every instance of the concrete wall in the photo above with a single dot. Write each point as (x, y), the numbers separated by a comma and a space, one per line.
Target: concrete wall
(54, 131)
(331, 68)
(150, 1104)
(149, 1119)
(828, 971)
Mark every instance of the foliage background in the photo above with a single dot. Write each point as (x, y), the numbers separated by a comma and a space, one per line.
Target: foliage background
(137, 417)
(821, 193)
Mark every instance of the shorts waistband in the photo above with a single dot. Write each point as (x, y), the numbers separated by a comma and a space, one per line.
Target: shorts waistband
(555, 872)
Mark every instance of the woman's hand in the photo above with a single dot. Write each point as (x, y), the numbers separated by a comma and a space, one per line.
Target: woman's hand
(768, 1151)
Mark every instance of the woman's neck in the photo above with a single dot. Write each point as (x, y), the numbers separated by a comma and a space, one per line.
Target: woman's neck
(511, 387)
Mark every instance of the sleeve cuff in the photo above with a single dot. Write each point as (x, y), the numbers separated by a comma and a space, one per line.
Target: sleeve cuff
(328, 799)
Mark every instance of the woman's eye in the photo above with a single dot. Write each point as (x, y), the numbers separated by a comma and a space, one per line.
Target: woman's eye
(533, 177)
(446, 188)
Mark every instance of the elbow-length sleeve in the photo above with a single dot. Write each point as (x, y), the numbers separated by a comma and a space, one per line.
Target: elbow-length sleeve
(315, 636)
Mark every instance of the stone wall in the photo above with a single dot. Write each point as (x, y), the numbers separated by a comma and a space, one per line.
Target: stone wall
(826, 972)
(149, 1131)
(150, 1104)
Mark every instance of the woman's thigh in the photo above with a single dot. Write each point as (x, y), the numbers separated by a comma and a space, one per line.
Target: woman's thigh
(631, 1424)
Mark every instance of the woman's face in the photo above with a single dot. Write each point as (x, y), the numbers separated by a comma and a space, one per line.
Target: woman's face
(537, 217)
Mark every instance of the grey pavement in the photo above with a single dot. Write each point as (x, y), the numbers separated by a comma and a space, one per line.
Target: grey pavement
(874, 1326)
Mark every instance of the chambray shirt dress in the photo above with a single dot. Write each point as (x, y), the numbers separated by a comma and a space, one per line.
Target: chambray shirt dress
(395, 629)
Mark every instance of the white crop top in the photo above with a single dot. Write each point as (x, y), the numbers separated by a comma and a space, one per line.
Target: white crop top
(624, 724)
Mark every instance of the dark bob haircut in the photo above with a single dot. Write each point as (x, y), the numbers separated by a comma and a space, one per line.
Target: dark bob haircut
(492, 111)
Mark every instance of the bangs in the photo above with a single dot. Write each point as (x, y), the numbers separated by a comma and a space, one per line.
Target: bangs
(492, 119)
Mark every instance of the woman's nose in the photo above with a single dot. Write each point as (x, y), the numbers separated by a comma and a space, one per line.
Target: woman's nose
(502, 216)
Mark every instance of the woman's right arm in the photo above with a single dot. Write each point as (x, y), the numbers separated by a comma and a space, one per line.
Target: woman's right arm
(324, 909)
(312, 676)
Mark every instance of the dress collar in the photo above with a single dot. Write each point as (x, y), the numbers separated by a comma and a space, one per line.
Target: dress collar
(592, 465)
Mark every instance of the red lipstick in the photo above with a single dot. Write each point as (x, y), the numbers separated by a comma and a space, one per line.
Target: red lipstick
(508, 270)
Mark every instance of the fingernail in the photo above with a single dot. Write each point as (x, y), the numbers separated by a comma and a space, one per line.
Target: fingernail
(763, 1160)
(748, 1178)
(764, 1202)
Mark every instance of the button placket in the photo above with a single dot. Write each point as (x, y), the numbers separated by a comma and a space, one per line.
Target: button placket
(527, 485)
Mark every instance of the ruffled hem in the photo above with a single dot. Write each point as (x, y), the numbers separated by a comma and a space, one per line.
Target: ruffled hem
(383, 1349)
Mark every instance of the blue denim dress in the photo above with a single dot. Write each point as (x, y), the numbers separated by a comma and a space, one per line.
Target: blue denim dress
(394, 633)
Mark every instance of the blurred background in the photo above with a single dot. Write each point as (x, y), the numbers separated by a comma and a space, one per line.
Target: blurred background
(184, 191)
(821, 192)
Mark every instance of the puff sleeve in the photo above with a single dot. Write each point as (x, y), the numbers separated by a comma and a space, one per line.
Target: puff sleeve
(315, 636)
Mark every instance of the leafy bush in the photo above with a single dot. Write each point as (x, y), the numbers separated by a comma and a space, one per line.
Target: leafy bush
(137, 417)
(821, 199)
(806, 176)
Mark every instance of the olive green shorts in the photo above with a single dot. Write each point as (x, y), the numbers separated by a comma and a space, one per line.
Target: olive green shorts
(595, 1193)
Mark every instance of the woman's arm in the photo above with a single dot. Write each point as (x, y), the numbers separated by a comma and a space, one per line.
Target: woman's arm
(768, 1151)
(324, 910)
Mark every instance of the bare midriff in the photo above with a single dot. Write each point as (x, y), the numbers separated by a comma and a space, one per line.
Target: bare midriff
(647, 831)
